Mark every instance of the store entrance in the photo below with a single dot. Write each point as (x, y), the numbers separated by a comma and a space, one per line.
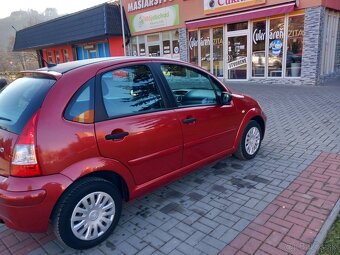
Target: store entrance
(154, 50)
(237, 56)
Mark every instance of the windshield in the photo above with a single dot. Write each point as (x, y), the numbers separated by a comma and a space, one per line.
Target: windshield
(20, 100)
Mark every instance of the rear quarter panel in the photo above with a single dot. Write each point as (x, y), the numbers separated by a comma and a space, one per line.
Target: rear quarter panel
(61, 143)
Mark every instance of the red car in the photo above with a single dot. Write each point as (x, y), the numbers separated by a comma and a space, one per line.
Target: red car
(78, 138)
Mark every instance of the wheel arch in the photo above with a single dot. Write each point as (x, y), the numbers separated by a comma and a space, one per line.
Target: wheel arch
(252, 114)
(106, 169)
(262, 124)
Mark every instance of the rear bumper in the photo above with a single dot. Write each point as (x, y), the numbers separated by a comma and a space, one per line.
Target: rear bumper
(27, 203)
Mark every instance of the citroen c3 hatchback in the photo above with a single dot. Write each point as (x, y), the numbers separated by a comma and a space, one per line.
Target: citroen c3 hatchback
(78, 139)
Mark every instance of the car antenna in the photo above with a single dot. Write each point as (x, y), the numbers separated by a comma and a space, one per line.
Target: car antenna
(45, 61)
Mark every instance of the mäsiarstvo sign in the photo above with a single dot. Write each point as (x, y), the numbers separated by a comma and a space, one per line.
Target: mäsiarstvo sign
(159, 18)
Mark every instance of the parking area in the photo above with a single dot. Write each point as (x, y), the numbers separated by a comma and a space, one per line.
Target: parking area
(271, 202)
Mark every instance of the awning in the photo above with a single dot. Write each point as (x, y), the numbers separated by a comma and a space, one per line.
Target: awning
(242, 16)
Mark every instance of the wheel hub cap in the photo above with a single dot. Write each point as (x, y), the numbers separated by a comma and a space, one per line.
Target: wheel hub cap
(93, 215)
(252, 140)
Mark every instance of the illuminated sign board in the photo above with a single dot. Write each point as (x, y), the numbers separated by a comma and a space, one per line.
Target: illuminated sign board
(159, 18)
(212, 6)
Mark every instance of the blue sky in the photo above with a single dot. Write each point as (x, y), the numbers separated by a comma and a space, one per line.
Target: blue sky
(63, 6)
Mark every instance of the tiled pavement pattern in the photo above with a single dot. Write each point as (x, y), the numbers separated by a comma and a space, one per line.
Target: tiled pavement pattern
(204, 211)
(291, 222)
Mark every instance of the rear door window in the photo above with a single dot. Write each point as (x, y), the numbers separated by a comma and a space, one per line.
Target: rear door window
(129, 91)
(20, 100)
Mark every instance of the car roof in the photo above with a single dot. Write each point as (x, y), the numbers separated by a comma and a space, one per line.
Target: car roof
(66, 67)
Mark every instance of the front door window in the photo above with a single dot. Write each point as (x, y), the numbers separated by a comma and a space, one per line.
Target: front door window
(237, 57)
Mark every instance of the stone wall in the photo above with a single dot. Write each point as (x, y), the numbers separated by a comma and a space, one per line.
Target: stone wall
(337, 58)
(183, 44)
(336, 73)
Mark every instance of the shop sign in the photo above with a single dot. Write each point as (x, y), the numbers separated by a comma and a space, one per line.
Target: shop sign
(260, 35)
(237, 63)
(142, 4)
(159, 18)
(212, 6)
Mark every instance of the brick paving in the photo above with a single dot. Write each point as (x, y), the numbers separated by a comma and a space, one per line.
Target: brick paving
(289, 224)
(205, 211)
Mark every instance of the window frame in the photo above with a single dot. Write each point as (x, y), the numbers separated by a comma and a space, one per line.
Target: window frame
(101, 113)
(199, 71)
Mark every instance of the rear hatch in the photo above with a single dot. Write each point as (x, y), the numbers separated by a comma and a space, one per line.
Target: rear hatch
(18, 102)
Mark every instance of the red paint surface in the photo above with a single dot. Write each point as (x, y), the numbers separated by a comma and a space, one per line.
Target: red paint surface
(333, 4)
(116, 46)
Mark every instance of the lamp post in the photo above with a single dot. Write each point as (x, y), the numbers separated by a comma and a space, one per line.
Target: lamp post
(123, 27)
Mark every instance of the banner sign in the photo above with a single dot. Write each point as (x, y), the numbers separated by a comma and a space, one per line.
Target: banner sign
(212, 6)
(159, 18)
(237, 63)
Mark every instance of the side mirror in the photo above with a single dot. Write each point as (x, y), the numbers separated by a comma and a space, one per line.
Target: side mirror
(3, 83)
(226, 98)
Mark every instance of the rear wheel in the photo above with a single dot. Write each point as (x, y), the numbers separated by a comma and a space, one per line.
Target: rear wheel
(88, 213)
(250, 141)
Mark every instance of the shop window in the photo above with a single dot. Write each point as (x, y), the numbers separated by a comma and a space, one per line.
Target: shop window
(294, 46)
(205, 49)
(259, 49)
(65, 55)
(134, 49)
(175, 44)
(49, 57)
(141, 41)
(57, 57)
(218, 51)
(193, 47)
(237, 26)
(166, 44)
(276, 40)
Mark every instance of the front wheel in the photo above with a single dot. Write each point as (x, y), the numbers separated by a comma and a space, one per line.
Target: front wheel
(250, 141)
(87, 214)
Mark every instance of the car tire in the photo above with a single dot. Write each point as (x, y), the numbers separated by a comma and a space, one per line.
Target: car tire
(250, 141)
(87, 213)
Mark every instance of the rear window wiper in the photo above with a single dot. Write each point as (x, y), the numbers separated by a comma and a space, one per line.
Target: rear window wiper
(3, 118)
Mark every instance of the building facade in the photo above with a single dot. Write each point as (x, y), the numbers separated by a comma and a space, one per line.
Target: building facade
(269, 41)
(90, 33)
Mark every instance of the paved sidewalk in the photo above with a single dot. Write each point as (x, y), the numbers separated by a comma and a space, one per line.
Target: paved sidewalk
(291, 222)
(206, 212)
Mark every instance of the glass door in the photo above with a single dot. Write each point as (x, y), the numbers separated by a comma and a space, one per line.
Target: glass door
(237, 57)
(154, 50)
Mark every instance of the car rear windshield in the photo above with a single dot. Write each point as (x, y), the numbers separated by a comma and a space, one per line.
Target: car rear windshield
(20, 100)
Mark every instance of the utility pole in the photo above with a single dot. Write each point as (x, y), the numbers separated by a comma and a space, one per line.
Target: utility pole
(123, 26)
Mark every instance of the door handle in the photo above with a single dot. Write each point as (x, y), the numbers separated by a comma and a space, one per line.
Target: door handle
(189, 120)
(117, 136)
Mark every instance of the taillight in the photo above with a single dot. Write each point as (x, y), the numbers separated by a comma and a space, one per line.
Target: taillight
(24, 162)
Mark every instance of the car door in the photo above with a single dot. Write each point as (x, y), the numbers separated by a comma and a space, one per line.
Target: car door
(135, 126)
(209, 127)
